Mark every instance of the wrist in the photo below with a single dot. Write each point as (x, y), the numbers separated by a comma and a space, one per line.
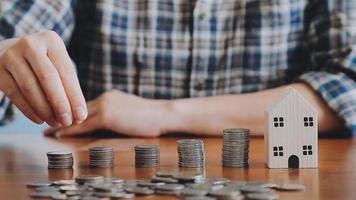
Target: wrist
(170, 120)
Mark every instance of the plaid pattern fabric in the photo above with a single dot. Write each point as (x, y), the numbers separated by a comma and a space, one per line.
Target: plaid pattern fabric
(192, 48)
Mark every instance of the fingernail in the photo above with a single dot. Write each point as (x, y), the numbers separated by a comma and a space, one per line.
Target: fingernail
(66, 119)
(39, 121)
(81, 113)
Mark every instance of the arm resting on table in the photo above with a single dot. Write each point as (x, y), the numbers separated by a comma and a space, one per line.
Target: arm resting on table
(211, 115)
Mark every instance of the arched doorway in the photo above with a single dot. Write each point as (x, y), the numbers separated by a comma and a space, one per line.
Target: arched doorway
(293, 161)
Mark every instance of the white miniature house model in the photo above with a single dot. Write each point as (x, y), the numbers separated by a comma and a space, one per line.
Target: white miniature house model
(291, 136)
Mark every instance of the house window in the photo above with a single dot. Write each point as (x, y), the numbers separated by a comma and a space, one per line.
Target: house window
(308, 122)
(278, 121)
(307, 150)
(278, 151)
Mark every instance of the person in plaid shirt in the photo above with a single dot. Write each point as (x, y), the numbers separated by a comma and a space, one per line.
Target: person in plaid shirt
(149, 68)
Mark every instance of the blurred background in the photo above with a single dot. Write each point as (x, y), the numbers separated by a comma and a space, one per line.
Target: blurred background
(22, 125)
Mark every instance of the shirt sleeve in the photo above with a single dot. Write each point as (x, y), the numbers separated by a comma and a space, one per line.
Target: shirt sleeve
(6, 111)
(331, 42)
(19, 18)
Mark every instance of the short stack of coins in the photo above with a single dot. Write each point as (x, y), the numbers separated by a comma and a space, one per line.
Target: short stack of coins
(191, 153)
(235, 147)
(60, 160)
(147, 155)
(101, 157)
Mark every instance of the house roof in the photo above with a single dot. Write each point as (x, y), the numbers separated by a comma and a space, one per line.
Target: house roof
(293, 93)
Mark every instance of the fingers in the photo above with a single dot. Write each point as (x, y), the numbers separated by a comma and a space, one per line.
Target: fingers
(13, 92)
(69, 80)
(51, 85)
(41, 68)
(92, 111)
(90, 124)
(29, 88)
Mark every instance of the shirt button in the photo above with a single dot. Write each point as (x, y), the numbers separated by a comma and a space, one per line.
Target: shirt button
(199, 86)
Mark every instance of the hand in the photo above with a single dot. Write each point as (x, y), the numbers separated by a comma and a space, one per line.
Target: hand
(121, 113)
(37, 74)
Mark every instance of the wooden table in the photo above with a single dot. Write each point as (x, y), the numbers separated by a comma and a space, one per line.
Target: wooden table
(23, 158)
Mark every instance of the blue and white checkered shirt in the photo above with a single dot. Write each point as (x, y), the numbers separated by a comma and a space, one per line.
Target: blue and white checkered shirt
(193, 48)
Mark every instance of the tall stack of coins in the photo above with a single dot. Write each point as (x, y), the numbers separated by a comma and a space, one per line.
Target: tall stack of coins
(235, 147)
(191, 153)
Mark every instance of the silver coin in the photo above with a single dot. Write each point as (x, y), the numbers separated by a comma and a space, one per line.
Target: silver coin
(139, 190)
(170, 187)
(38, 183)
(165, 174)
(43, 194)
(254, 189)
(58, 196)
(290, 186)
(225, 193)
(193, 192)
(149, 184)
(262, 196)
(82, 179)
(167, 192)
(163, 179)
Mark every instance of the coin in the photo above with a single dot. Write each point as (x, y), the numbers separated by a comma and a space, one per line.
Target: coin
(290, 186)
(38, 183)
(226, 194)
(254, 189)
(170, 187)
(193, 192)
(262, 196)
(139, 190)
(89, 179)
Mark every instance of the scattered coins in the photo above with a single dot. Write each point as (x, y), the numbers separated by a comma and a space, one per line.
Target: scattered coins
(235, 147)
(60, 160)
(191, 153)
(186, 186)
(147, 156)
(101, 157)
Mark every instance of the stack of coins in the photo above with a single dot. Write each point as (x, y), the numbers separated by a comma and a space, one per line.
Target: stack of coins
(147, 156)
(235, 147)
(60, 160)
(101, 157)
(191, 153)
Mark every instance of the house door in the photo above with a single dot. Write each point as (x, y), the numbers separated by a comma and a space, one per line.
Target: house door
(293, 161)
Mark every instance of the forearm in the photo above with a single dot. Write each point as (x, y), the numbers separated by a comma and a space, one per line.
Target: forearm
(213, 114)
